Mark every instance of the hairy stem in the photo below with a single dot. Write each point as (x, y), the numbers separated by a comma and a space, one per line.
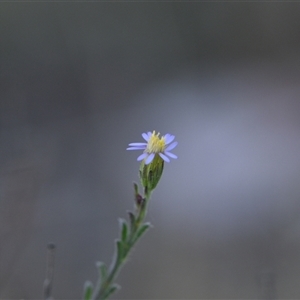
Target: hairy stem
(105, 287)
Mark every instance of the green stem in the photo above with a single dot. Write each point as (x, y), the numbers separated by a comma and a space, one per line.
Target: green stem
(102, 292)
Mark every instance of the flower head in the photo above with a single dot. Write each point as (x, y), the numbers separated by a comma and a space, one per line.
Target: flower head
(155, 145)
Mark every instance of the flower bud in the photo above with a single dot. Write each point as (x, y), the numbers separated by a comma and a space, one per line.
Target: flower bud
(150, 174)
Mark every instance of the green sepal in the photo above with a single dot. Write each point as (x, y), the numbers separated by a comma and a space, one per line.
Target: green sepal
(150, 174)
(102, 270)
(124, 230)
(113, 288)
(88, 290)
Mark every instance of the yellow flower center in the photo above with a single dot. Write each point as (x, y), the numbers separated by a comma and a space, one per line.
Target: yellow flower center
(155, 143)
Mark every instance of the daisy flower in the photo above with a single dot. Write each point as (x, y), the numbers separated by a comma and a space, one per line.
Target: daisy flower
(155, 145)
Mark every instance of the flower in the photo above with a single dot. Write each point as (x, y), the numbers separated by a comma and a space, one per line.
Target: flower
(155, 145)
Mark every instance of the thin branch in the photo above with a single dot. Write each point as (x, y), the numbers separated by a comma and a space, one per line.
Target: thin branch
(48, 283)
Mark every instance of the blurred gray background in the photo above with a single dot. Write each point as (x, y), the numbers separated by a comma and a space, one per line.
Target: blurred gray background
(79, 81)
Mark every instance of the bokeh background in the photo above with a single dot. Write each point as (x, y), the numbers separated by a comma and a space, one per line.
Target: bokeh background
(81, 80)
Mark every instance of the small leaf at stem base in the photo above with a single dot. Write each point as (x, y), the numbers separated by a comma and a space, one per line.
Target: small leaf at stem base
(88, 290)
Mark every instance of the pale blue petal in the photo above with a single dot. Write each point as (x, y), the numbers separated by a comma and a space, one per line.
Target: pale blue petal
(135, 148)
(137, 144)
(165, 158)
(172, 146)
(170, 154)
(149, 158)
(149, 134)
(141, 157)
(145, 136)
(169, 138)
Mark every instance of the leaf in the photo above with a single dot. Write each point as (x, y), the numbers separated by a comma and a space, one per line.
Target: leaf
(88, 290)
(119, 250)
(141, 231)
(102, 269)
(136, 188)
(113, 288)
(132, 221)
(124, 230)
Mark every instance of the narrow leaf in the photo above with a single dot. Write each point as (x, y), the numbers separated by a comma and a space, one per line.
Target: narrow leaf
(141, 231)
(132, 221)
(136, 188)
(124, 230)
(102, 269)
(119, 250)
(88, 290)
(111, 290)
